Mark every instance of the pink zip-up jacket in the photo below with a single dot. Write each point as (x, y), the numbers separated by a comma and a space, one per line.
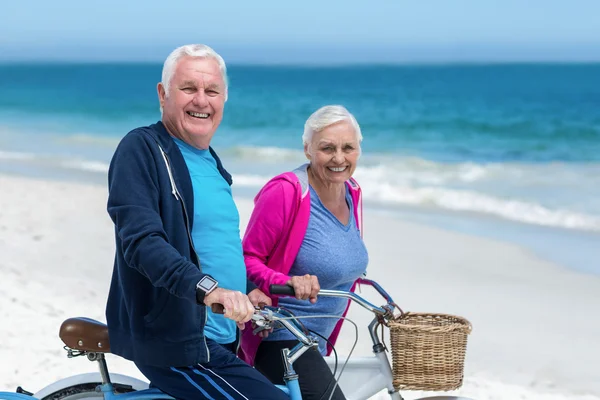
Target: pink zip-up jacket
(274, 235)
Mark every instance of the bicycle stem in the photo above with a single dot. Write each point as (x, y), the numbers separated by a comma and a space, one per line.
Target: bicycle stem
(377, 345)
(297, 351)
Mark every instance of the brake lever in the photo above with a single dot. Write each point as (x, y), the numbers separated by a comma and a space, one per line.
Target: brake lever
(262, 320)
(259, 329)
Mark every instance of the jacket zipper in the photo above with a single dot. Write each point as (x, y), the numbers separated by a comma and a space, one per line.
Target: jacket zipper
(179, 198)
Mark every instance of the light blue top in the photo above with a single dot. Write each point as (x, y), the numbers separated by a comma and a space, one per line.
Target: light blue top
(336, 254)
(216, 234)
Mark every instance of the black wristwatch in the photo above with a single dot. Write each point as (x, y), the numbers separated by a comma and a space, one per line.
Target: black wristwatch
(206, 285)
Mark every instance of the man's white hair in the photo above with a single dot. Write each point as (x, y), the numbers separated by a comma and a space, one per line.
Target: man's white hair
(190, 50)
(325, 117)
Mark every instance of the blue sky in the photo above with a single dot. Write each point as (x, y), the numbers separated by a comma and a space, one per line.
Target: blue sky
(309, 31)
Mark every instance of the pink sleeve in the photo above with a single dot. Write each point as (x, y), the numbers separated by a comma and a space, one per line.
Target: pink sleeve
(272, 213)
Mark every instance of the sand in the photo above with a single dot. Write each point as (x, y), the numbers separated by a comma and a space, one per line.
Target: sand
(535, 334)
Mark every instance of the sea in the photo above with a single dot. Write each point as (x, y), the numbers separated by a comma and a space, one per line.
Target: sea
(506, 151)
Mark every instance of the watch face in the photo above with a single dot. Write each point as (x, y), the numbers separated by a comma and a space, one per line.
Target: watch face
(206, 284)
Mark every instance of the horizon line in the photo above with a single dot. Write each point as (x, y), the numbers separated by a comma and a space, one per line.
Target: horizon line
(507, 62)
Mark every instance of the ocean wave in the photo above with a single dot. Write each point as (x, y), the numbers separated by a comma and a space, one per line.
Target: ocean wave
(467, 201)
(54, 161)
(15, 155)
(527, 193)
(483, 189)
(426, 171)
(89, 139)
(551, 194)
(250, 180)
(461, 200)
(263, 154)
(407, 170)
(84, 165)
(417, 171)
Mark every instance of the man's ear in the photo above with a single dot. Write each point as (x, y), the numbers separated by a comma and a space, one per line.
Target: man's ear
(161, 94)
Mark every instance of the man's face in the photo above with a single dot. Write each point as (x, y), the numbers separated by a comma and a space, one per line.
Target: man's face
(193, 108)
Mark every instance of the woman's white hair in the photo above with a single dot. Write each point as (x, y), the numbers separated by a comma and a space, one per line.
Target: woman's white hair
(325, 117)
(191, 50)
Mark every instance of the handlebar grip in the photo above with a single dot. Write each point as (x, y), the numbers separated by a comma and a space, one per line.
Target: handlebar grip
(220, 308)
(282, 290)
(217, 308)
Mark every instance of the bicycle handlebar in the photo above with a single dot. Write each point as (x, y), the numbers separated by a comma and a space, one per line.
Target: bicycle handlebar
(282, 290)
(266, 317)
(385, 311)
(286, 290)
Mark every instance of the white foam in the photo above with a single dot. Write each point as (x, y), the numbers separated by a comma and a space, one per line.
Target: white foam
(464, 200)
(419, 171)
(555, 194)
(250, 180)
(492, 189)
(51, 160)
(265, 154)
(84, 165)
(413, 170)
(13, 155)
(90, 139)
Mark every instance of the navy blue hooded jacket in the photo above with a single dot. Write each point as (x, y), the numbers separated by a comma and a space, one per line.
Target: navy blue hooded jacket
(152, 314)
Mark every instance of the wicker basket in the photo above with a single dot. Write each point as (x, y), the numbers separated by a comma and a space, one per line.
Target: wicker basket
(428, 351)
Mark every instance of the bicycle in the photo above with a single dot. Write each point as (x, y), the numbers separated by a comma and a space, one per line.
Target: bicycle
(89, 338)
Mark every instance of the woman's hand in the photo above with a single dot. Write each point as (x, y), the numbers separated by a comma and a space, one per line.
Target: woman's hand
(306, 287)
(259, 299)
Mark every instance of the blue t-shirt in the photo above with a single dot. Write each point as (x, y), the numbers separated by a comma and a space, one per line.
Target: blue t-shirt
(216, 234)
(336, 254)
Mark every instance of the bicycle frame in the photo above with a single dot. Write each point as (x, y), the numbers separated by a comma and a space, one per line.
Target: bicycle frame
(14, 396)
(372, 374)
(107, 387)
(379, 366)
(265, 318)
(146, 394)
(363, 377)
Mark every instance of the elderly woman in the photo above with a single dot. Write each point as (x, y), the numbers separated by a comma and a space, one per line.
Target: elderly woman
(305, 231)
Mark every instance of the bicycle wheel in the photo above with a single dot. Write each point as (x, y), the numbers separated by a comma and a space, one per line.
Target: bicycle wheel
(85, 391)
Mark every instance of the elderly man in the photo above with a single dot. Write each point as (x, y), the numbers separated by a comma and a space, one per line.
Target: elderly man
(178, 246)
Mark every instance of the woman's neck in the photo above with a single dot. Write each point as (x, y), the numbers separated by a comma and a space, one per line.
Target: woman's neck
(329, 193)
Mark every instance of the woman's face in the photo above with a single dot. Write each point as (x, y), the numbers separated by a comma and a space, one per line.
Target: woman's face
(333, 153)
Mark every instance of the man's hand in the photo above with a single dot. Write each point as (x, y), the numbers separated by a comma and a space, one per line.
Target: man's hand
(258, 297)
(236, 304)
(306, 287)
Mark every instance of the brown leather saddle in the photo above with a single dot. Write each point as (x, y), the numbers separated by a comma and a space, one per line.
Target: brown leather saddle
(85, 334)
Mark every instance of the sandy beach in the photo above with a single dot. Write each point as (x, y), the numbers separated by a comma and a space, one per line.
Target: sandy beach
(536, 334)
